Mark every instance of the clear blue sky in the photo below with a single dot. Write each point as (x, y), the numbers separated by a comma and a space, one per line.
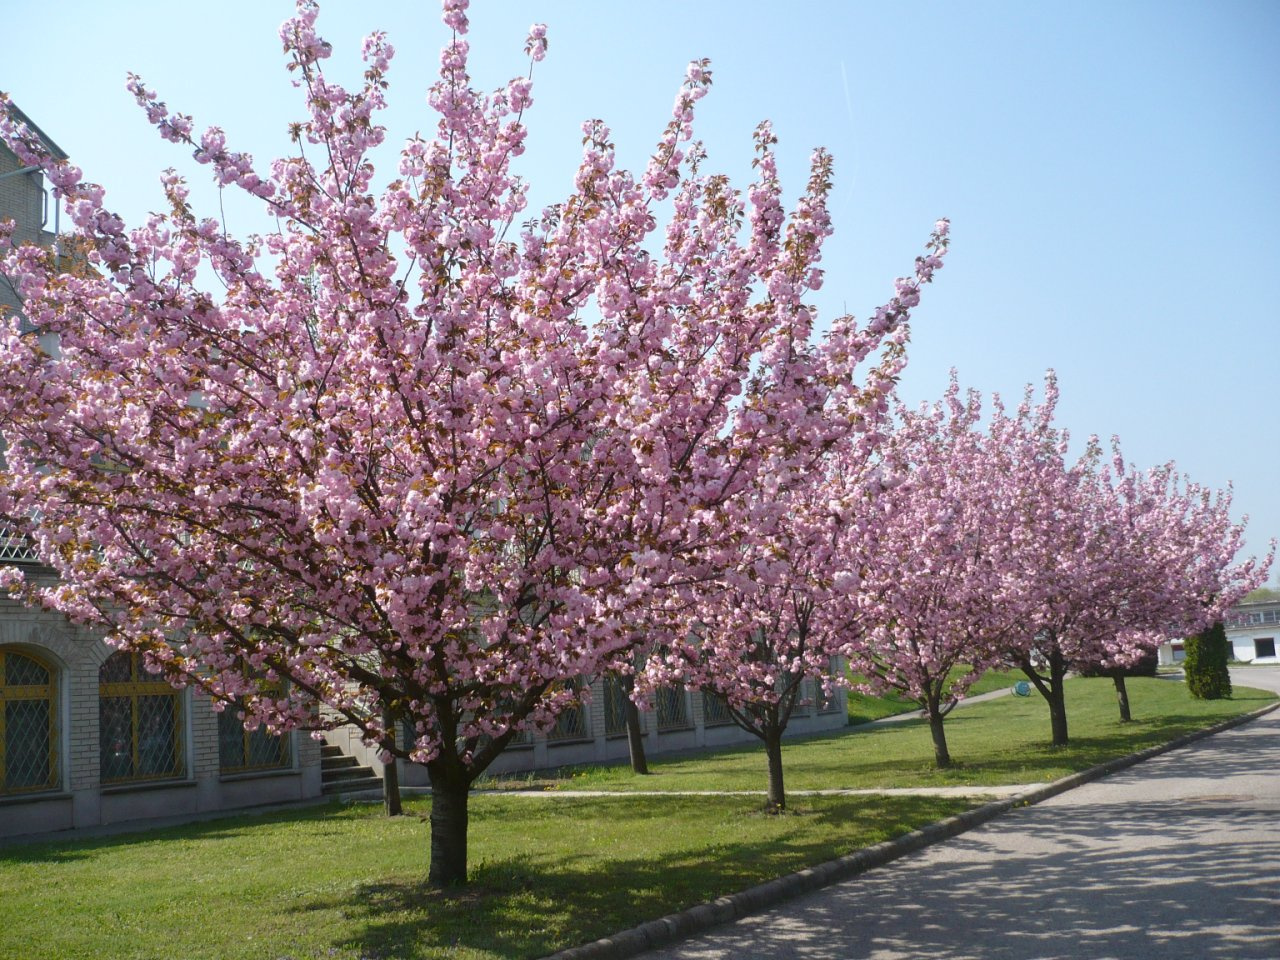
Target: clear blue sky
(1110, 168)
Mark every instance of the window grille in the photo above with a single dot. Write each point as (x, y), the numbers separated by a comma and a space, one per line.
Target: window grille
(672, 709)
(139, 723)
(715, 711)
(244, 751)
(14, 547)
(615, 707)
(829, 702)
(571, 724)
(28, 725)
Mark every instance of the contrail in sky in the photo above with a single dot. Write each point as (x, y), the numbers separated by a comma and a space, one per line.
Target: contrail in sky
(853, 129)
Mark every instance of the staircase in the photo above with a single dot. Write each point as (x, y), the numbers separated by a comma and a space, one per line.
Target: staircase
(340, 773)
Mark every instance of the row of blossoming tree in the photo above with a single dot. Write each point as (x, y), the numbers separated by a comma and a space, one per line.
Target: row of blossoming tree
(940, 547)
(428, 461)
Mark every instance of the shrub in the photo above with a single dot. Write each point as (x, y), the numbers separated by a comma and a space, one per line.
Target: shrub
(1206, 664)
(1144, 667)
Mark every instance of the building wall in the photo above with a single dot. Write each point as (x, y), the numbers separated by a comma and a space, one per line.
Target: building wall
(1254, 631)
(1246, 626)
(80, 799)
(596, 745)
(24, 200)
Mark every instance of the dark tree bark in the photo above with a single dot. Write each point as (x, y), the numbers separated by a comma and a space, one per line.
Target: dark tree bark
(1122, 696)
(391, 789)
(777, 798)
(450, 790)
(1058, 716)
(391, 774)
(941, 755)
(1051, 688)
(635, 736)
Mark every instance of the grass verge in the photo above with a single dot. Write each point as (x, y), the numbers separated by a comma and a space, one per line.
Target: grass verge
(1001, 741)
(342, 883)
(863, 707)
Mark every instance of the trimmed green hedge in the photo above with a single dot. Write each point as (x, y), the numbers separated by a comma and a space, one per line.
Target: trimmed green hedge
(1206, 664)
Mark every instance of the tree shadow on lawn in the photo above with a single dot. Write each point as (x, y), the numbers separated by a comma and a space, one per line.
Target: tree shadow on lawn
(235, 824)
(529, 905)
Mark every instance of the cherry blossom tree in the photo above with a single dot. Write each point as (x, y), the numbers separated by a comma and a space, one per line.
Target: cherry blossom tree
(765, 630)
(934, 592)
(758, 639)
(1112, 561)
(1180, 547)
(420, 459)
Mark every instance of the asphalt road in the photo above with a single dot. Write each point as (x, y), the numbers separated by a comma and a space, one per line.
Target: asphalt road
(1177, 858)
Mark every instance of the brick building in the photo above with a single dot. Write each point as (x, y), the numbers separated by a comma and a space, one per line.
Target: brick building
(87, 737)
(25, 200)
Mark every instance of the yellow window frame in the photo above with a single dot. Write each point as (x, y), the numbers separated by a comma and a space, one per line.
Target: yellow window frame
(29, 691)
(142, 684)
(274, 688)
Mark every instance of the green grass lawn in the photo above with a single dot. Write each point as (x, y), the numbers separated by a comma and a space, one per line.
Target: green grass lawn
(999, 741)
(995, 680)
(345, 882)
(863, 707)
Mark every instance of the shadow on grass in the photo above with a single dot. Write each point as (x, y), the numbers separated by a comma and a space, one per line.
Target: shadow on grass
(80, 847)
(530, 905)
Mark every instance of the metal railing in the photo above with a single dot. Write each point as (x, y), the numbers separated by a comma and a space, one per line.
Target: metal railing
(14, 546)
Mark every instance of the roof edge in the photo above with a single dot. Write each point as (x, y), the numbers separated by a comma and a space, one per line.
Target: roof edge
(57, 152)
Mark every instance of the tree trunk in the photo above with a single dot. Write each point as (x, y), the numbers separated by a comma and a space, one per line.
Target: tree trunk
(635, 737)
(449, 793)
(1122, 695)
(390, 772)
(391, 788)
(941, 755)
(1052, 693)
(1057, 700)
(777, 799)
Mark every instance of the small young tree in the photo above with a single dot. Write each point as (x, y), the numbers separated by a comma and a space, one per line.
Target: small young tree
(933, 591)
(1208, 653)
(772, 612)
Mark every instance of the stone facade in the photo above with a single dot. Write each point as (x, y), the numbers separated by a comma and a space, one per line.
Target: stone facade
(25, 200)
(74, 794)
(54, 746)
(683, 720)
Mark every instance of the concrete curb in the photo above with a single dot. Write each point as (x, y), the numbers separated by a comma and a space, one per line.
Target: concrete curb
(705, 916)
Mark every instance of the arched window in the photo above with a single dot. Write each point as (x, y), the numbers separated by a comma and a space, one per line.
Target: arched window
(139, 722)
(245, 751)
(28, 724)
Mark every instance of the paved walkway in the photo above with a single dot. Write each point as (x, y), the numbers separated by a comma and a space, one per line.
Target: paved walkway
(998, 790)
(1177, 858)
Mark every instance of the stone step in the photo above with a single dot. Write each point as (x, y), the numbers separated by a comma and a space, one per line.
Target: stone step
(340, 773)
(369, 784)
(340, 762)
(353, 772)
